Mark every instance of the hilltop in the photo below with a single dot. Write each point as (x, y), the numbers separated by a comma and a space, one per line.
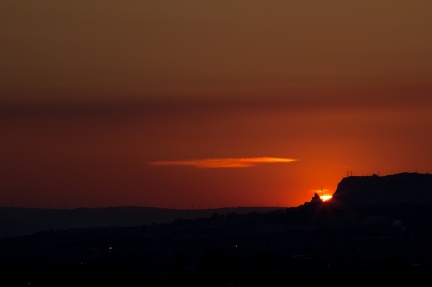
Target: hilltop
(395, 189)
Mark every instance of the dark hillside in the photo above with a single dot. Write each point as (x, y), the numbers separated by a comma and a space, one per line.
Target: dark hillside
(369, 241)
(390, 189)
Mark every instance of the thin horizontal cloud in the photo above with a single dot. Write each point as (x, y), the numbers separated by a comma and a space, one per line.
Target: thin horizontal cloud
(225, 162)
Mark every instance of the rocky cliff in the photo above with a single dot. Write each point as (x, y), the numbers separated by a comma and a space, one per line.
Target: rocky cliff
(393, 189)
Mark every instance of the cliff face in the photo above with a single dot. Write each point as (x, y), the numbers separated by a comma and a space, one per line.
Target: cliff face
(390, 189)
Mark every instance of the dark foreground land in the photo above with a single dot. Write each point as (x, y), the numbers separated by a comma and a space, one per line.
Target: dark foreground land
(317, 241)
(375, 230)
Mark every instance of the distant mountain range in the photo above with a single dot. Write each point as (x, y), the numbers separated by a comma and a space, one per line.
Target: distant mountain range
(24, 221)
(352, 192)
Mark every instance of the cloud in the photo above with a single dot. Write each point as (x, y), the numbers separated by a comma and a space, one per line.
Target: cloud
(225, 162)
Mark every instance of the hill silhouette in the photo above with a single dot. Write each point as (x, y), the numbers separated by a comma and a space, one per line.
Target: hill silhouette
(390, 189)
(350, 237)
(16, 221)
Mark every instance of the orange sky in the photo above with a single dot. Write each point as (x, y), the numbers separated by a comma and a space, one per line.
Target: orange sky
(93, 93)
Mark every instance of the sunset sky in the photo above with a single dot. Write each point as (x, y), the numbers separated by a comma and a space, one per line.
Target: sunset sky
(207, 104)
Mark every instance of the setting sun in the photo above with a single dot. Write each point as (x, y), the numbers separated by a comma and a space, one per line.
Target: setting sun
(325, 197)
(323, 194)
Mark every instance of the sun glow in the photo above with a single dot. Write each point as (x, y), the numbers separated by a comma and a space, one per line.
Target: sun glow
(323, 194)
(325, 197)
